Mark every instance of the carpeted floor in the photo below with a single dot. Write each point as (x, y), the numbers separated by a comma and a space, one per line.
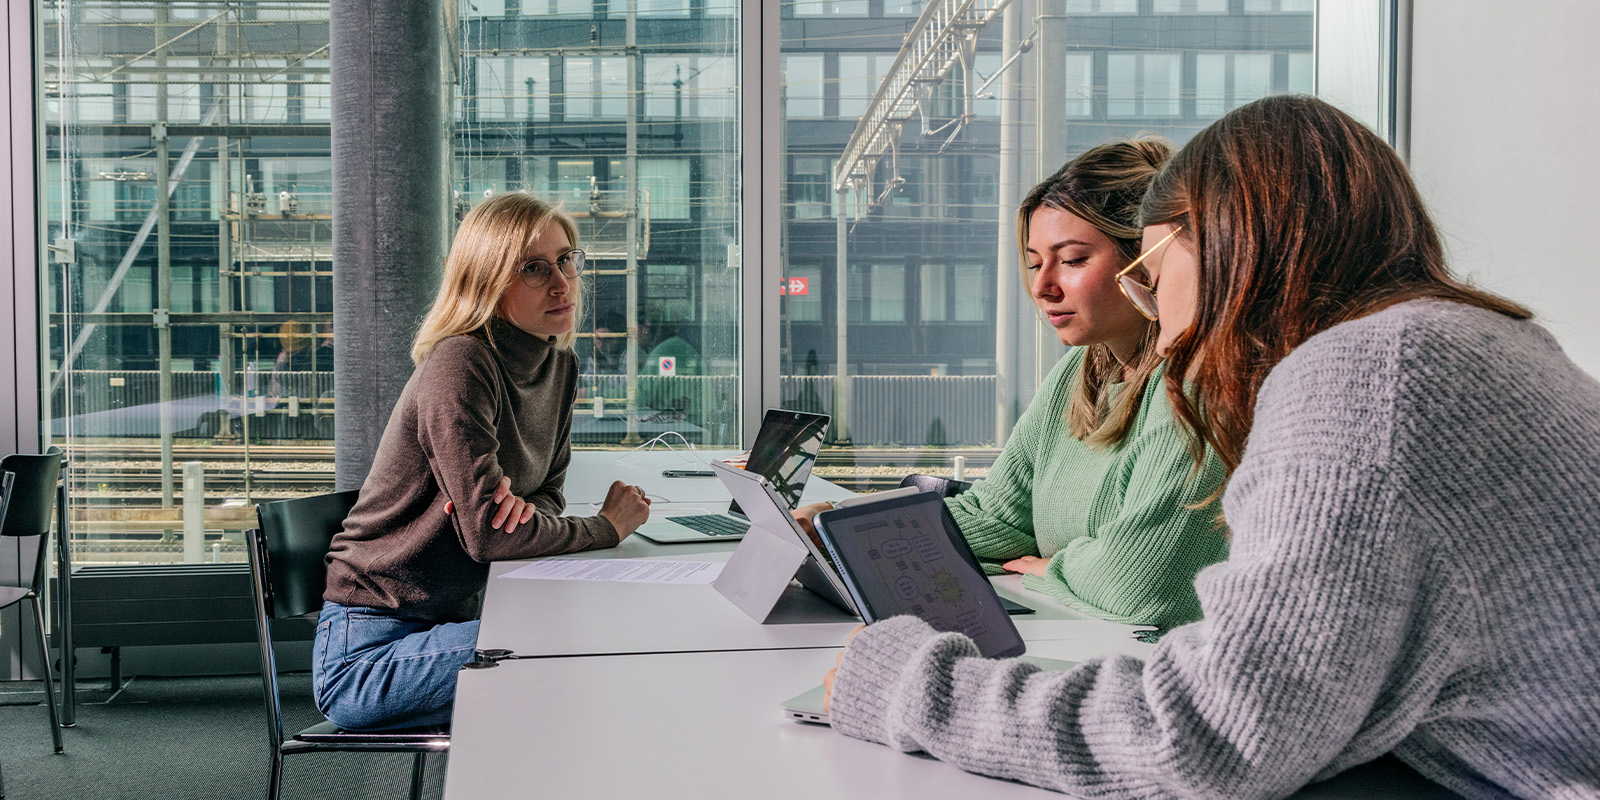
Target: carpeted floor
(183, 739)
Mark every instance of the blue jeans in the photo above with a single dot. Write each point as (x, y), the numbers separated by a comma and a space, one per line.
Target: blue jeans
(372, 670)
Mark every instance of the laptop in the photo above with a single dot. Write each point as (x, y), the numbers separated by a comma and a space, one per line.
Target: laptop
(784, 453)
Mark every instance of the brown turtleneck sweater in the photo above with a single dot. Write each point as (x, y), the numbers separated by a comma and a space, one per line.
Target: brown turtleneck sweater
(494, 402)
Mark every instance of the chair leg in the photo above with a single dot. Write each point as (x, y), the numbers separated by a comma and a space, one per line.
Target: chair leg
(274, 775)
(49, 679)
(418, 764)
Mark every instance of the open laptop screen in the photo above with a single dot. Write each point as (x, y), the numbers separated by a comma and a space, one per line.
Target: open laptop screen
(785, 450)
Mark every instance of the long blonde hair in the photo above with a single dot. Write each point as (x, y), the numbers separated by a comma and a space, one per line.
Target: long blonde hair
(484, 260)
(1104, 187)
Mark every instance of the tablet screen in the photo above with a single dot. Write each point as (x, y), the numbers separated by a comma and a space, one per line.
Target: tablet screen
(904, 556)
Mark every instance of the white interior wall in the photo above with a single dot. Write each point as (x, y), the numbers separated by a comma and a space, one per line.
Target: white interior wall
(1504, 114)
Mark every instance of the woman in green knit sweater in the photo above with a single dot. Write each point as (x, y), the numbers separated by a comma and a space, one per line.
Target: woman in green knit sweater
(1095, 498)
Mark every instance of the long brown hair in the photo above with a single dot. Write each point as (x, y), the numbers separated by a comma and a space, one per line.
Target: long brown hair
(483, 261)
(1103, 187)
(1301, 218)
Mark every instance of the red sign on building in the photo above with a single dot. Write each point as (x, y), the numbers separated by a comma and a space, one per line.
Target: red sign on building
(794, 286)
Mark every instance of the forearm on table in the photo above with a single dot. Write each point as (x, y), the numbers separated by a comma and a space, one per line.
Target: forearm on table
(549, 498)
(1218, 709)
(542, 535)
(992, 532)
(471, 485)
(1111, 727)
(1132, 577)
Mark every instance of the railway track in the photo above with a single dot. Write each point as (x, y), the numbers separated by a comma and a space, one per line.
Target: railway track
(130, 473)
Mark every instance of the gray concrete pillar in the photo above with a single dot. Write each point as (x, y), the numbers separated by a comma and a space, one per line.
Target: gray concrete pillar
(389, 199)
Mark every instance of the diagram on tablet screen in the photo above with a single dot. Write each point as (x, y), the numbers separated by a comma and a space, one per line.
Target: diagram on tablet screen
(914, 564)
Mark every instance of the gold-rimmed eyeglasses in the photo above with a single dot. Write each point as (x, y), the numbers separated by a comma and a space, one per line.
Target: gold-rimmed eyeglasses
(1141, 295)
(536, 274)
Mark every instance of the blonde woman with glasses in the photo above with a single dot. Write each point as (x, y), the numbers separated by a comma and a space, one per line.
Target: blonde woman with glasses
(469, 471)
(1096, 498)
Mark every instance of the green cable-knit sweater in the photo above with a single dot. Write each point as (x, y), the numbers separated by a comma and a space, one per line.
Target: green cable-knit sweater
(1116, 523)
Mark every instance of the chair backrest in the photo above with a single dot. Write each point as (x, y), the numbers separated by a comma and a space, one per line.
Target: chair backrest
(296, 536)
(255, 546)
(25, 531)
(288, 570)
(944, 487)
(33, 496)
(6, 481)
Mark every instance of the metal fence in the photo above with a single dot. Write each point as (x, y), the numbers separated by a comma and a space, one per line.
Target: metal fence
(903, 410)
(127, 404)
(908, 410)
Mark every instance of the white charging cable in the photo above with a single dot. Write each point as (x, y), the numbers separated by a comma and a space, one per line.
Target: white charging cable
(690, 455)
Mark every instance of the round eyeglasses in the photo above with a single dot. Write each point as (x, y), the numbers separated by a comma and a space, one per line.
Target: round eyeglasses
(536, 273)
(1140, 294)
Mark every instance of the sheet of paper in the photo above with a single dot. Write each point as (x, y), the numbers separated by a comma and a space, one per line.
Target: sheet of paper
(624, 570)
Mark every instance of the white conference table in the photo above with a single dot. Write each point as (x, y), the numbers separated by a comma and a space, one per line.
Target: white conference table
(676, 725)
(567, 618)
(707, 726)
(677, 684)
(591, 472)
(661, 666)
(577, 618)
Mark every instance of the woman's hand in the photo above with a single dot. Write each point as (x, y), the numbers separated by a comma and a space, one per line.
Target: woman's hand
(1028, 565)
(513, 510)
(626, 508)
(827, 680)
(804, 514)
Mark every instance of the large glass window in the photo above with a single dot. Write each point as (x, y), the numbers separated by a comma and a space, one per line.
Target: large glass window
(596, 87)
(1103, 6)
(133, 93)
(929, 240)
(829, 8)
(1143, 84)
(640, 142)
(803, 84)
(859, 77)
(878, 293)
(1224, 81)
(511, 88)
(1191, 6)
(1080, 84)
(695, 86)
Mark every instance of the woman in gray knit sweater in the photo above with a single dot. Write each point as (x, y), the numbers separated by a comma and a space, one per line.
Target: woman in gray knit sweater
(1414, 500)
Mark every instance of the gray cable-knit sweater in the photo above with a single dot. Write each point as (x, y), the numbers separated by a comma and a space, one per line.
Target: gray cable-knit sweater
(1415, 568)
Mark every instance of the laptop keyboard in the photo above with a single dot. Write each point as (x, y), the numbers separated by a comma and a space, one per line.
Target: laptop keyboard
(713, 524)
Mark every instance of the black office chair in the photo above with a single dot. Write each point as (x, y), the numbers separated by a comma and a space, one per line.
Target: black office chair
(944, 487)
(24, 547)
(6, 479)
(288, 572)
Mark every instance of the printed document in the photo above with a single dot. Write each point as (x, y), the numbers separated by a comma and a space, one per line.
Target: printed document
(623, 570)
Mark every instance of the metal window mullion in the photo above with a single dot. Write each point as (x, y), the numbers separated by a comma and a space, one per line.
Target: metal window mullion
(1401, 13)
(20, 237)
(761, 157)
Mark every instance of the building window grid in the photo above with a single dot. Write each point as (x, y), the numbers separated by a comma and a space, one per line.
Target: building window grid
(912, 292)
(1143, 84)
